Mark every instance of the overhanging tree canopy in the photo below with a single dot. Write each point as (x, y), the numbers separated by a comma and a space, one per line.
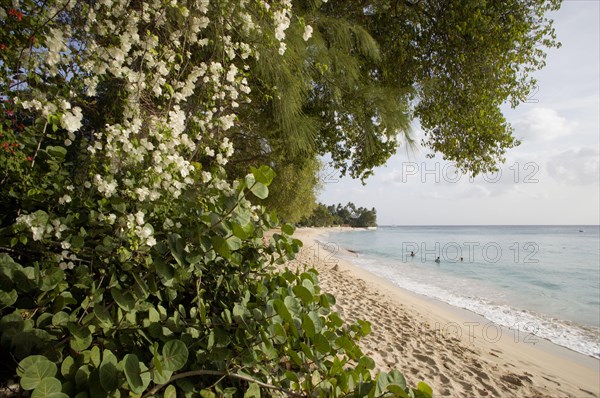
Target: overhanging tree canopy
(371, 66)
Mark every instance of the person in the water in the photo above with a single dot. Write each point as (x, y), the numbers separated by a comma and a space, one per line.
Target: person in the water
(437, 260)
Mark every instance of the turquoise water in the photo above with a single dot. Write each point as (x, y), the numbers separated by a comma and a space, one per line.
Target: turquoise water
(537, 280)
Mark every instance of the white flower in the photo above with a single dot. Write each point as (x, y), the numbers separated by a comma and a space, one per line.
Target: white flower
(227, 121)
(144, 232)
(220, 159)
(71, 120)
(154, 195)
(55, 44)
(151, 241)
(142, 193)
(232, 73)
(139, 217)
(168, 223)
(64, 199)
(307, 32)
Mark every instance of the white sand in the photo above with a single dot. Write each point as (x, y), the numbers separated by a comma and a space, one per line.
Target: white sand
(458, 353)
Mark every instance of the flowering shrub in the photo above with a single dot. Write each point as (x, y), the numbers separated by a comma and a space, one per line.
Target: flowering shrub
(129, 263)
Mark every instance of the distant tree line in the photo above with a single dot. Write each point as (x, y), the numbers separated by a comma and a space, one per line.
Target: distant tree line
(348, 215)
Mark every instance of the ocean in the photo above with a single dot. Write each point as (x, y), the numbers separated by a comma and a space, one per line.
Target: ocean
(538, 281)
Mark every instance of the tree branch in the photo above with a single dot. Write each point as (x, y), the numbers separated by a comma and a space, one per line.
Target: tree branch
(219, 373)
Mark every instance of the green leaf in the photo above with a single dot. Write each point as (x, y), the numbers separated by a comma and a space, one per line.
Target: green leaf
(174, 355)
(77, 242)
(124, 300)
(292, 304)
(233, 242)
(140, 287)
(264, 174)
(327, 300)
(424, 388)
(238, 313)
(153, 315)
(36, 372)
(136, 373)
(221, 247)
(365, 327)
(367, 363)
(322, 344)
(57, 152)
(253, 391)
(82, 376)
(308, 326)
(395, 377)
(29, 361)
(46, 387)
(397, 390)
(303, 294)
(239, 231)
(50, 280)
(282, 310)
(61, 318)
(81, 337)
(288, 229)
(278, 333)
(68, 367)
(259, 190)
(170, 392)
(109, 372)
(177, 245)
(161, 376)
(103, 315)
(8, 298)
(207, 394)
(314, 316)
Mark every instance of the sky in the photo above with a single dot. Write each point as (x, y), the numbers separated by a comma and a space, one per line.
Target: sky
(552, 178)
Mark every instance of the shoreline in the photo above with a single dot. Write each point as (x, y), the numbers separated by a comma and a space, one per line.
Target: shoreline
(456, 351)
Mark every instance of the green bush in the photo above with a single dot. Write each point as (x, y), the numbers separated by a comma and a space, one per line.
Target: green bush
(216, 320)
(129, 264)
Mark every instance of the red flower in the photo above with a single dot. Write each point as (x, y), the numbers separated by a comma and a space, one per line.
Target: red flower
(15, 13)
(2, 46)
(29, 158)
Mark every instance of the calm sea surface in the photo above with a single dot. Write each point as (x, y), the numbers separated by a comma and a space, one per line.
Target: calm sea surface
(543, 280)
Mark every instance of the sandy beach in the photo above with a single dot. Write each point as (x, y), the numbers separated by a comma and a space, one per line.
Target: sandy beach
(458, 353)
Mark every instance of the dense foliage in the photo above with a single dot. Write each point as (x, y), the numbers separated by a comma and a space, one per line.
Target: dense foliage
(348, 215)
(371, 66)
(293, 193)
(130, 264)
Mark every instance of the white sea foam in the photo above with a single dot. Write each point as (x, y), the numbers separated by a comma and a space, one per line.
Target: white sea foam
(525, 326)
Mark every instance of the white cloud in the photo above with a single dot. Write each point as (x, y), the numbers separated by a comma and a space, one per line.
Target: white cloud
(576, 167)
(542, 124)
